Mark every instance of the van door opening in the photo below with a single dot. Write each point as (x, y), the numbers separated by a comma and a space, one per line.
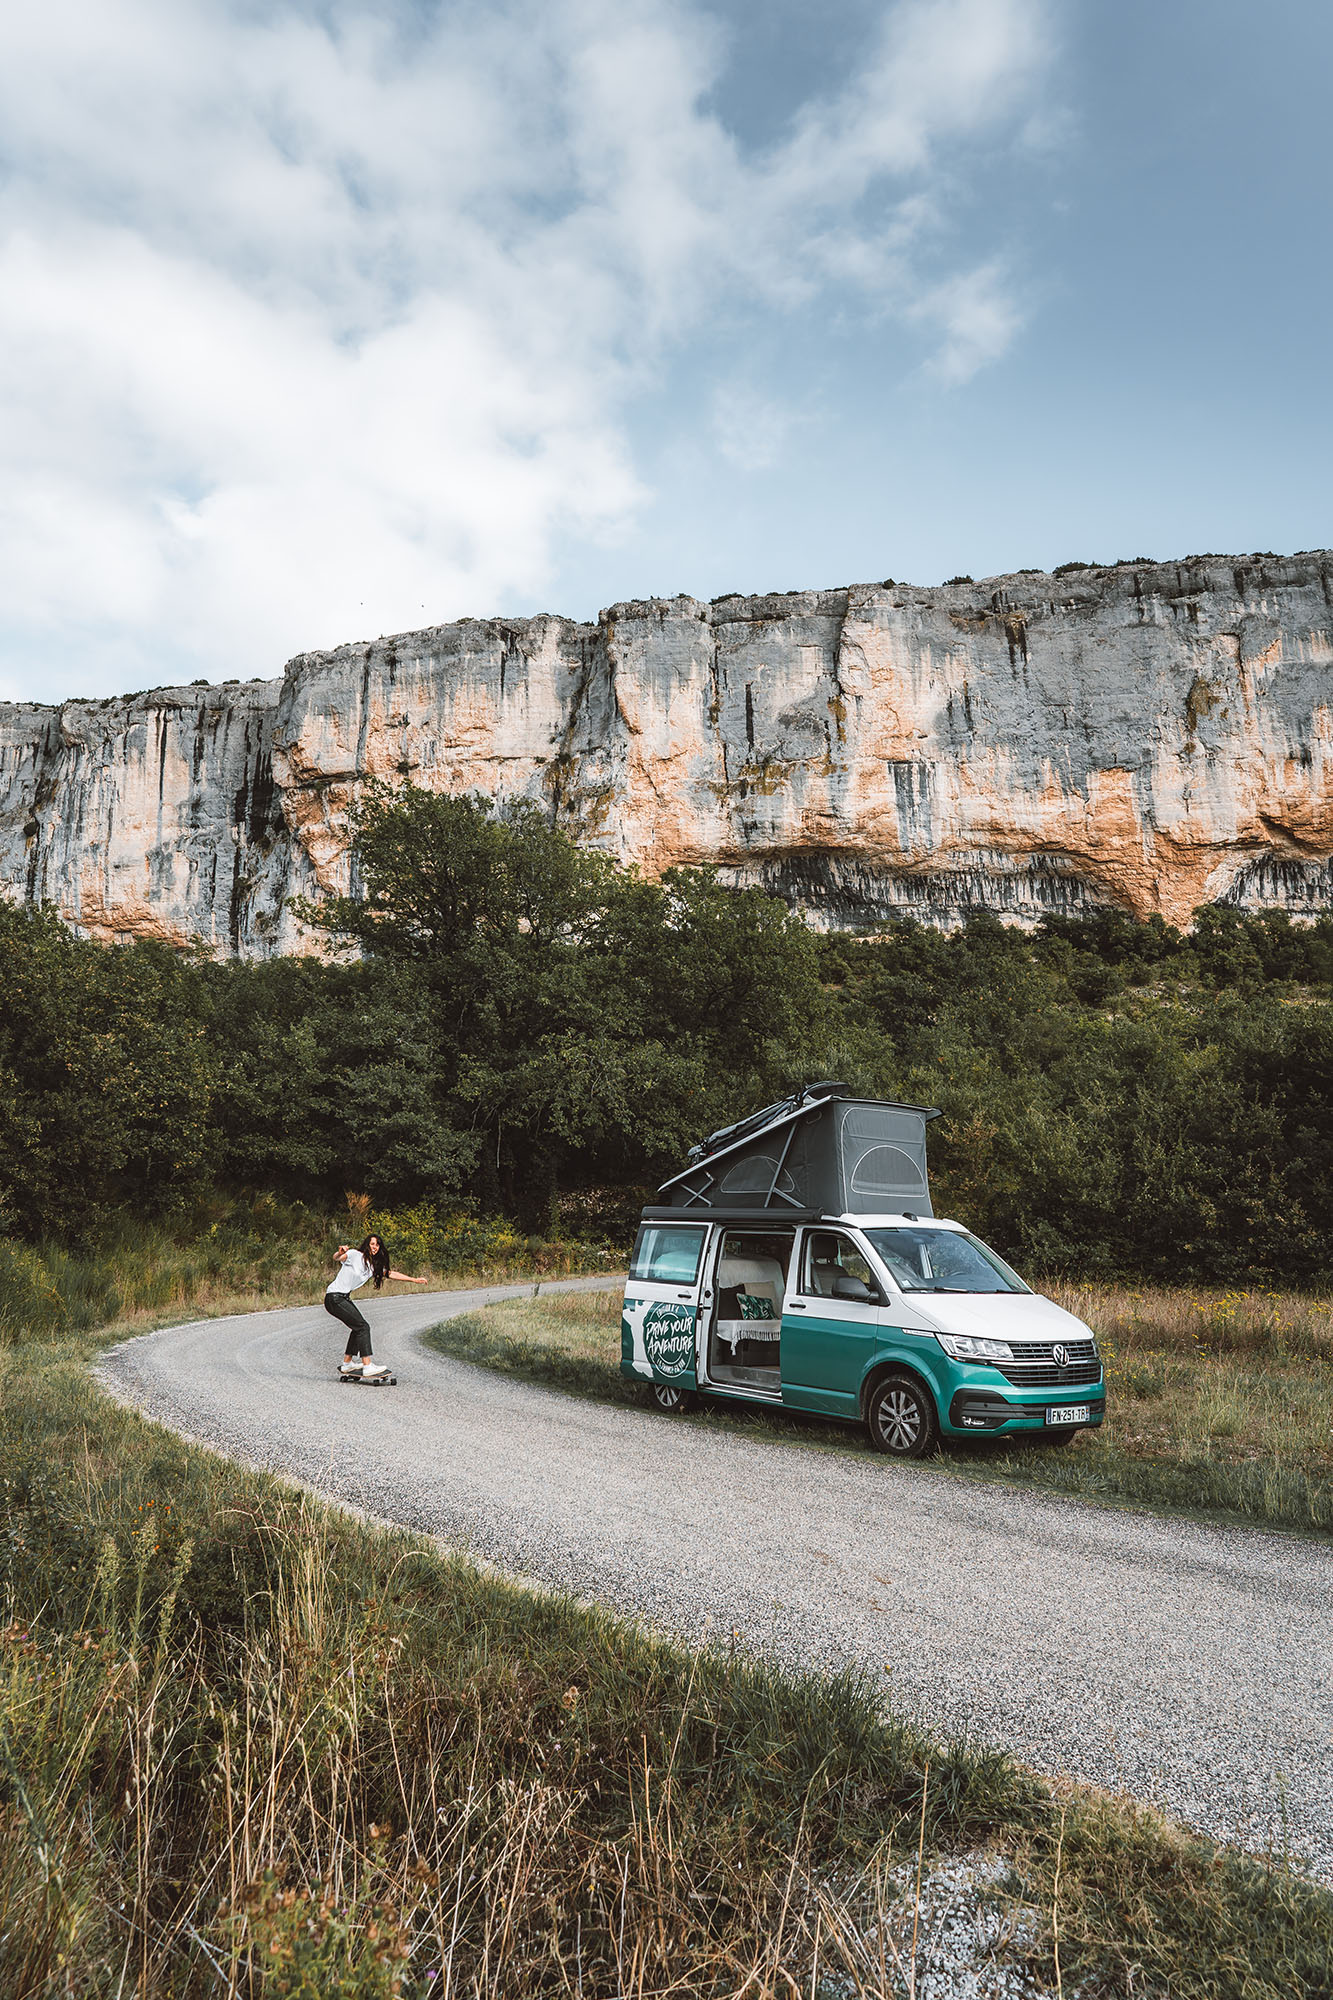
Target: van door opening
(745, 1327)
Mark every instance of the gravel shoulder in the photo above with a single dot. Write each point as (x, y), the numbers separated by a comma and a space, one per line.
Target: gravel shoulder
(1188, 1664)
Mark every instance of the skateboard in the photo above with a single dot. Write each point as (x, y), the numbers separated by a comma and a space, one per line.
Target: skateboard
(373, 1381)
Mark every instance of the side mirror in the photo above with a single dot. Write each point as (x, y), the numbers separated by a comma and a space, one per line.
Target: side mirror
(847, 1287)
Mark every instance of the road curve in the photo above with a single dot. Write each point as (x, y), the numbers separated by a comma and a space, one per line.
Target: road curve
(1189, 1665)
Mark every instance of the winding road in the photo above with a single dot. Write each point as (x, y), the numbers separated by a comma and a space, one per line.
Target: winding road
(1190, 1665)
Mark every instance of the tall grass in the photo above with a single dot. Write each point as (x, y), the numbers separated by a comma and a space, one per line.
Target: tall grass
(1194, 1321)
(250, 1746)
(239, 1255)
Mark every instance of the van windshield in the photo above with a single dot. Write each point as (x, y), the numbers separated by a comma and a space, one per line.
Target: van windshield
(942, 1260)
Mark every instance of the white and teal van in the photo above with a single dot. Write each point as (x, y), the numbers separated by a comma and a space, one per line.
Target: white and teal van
(797, 1263)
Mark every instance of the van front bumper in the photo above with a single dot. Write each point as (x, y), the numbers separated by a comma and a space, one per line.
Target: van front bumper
(972, 1412)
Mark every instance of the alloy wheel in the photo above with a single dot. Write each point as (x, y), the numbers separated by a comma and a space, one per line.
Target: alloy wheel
(899, 1418)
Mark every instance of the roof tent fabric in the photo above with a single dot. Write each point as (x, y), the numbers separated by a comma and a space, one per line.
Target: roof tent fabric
(841, 1155)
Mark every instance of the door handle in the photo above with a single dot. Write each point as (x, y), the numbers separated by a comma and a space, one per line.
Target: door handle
(795, 1307)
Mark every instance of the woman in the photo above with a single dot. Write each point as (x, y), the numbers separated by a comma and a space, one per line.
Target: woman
(369, 1260)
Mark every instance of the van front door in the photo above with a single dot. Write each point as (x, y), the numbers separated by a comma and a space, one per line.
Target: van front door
(660, 1319)
(830, 1324)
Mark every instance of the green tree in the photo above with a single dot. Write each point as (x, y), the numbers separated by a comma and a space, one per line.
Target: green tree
(329, 1080)
(106, 1076)
(589, 1022)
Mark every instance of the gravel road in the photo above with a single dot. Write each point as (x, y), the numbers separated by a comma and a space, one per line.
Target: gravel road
(1189, 1665)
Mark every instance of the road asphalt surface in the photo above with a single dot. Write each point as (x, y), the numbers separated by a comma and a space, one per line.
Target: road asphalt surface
(1190, 1665)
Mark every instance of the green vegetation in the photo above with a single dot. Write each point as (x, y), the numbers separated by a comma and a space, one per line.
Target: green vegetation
(247, 1255)
(533, 1032)
(250, 1746)
(1216, 1403)
(1120, 1100)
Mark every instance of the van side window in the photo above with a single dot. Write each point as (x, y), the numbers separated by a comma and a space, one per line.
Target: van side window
(829, 1256)
(667, 1255)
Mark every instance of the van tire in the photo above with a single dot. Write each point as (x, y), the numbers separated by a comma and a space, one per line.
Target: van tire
(901, 1419)
(675, 1402)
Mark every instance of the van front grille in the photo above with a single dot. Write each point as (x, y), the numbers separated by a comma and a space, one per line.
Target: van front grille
(1034, 1365)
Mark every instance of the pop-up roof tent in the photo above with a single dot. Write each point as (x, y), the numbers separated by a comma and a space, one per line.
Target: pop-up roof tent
(820, 1151)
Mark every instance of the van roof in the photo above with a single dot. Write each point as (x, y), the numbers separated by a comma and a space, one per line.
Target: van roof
(815, 1097)
(765, 1220)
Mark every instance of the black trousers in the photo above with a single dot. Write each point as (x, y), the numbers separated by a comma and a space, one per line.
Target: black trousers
(345, 1308)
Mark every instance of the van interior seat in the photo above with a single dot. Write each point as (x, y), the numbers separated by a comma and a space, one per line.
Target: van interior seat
(753, 1274)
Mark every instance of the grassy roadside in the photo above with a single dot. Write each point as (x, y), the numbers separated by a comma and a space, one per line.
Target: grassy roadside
(1217, 1403)
(243, 1256)
(250, 1746)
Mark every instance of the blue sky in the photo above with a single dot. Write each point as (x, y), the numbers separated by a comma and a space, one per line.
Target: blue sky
(320, 321)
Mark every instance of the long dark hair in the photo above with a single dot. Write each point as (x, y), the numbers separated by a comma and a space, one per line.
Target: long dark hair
(379, 1263)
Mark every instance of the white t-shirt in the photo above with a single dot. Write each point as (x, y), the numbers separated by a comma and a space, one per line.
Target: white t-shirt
(354, 1273)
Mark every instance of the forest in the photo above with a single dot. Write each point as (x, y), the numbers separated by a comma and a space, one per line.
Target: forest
(497, 1022)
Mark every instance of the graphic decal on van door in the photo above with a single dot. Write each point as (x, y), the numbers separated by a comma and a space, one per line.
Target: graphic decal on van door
(660, 1315)
(668, 1339)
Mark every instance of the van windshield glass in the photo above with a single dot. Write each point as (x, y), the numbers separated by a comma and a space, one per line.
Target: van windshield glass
(942, 1260)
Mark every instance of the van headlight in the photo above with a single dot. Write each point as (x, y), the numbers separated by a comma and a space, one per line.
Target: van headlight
(971, 1347)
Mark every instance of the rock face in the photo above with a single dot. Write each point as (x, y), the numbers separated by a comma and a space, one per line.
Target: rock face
(1152, 737)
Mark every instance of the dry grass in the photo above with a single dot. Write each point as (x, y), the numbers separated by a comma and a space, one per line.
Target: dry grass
(1216, 1402)
(251, 1747)
(1217, 1399)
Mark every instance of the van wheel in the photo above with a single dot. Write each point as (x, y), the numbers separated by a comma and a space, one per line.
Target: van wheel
(900, 1417)
(673, 1400)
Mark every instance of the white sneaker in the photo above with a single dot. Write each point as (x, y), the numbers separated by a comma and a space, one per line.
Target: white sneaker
(349, 1367)
(371, 1371)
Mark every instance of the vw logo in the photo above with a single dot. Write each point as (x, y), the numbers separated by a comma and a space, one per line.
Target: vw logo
(1060, 1355)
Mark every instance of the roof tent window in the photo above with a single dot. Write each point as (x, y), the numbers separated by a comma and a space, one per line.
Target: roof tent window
(886, 1170)
(883, 1148)
(753, 1174)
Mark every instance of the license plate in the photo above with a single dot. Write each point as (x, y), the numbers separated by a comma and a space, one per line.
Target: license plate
(1068, 1413)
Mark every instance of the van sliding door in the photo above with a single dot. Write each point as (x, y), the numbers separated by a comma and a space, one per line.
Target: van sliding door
(659, 1327)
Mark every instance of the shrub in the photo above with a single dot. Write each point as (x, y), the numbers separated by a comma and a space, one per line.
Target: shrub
(30, 1303)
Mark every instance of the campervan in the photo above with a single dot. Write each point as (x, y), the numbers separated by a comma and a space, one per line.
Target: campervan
(796, 1261)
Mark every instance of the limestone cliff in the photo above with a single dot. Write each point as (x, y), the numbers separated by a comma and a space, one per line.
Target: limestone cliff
(1151, 736)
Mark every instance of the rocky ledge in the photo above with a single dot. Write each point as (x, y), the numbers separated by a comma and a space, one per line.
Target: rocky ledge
(1152, 737)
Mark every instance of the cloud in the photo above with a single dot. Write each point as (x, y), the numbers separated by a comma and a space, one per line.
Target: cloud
(324, 319)
(750, 429)
(977, 319)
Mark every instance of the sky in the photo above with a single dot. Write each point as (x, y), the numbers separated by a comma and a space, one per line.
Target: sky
(330, 319)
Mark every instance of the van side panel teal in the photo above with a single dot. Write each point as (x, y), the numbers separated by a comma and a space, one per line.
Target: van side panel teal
(823, 1361)
(918, 1355)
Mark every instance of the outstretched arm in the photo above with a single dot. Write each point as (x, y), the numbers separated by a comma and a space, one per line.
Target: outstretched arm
(404, 1279)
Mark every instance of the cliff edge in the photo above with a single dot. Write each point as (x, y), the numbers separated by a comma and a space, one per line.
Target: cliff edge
(1151, 736)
